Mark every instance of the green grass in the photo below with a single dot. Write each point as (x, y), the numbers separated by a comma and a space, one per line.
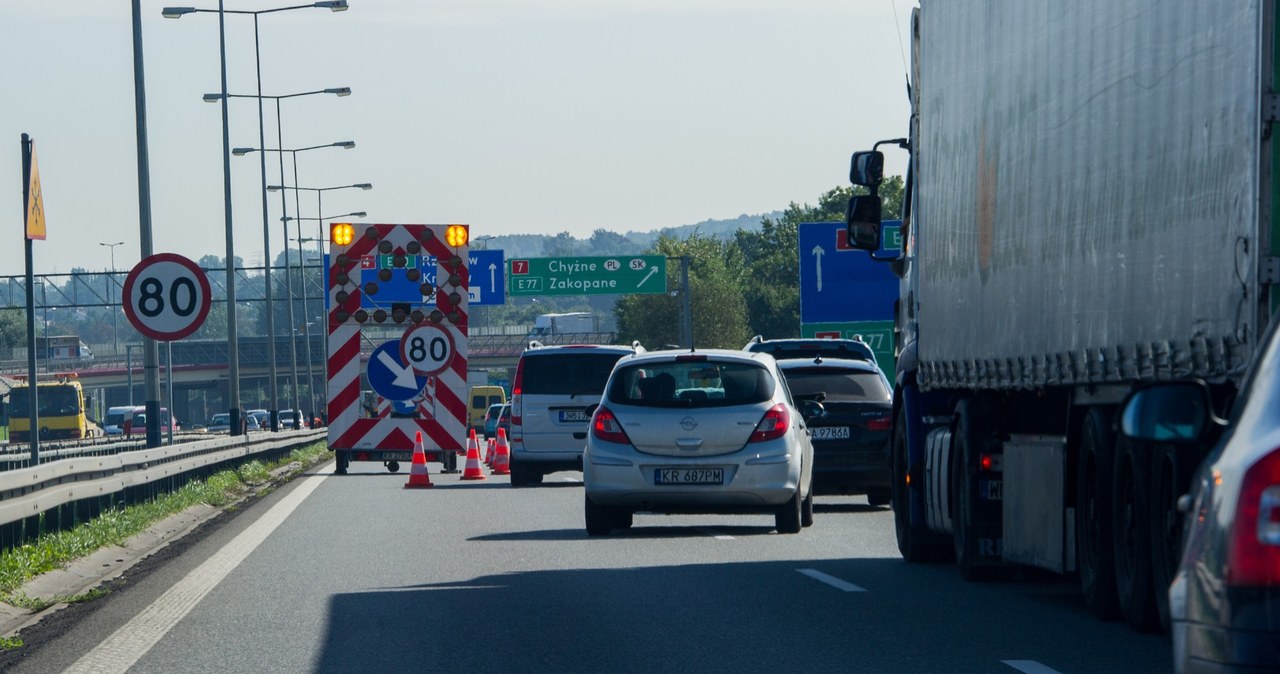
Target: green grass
(10, 643)
(53, 551)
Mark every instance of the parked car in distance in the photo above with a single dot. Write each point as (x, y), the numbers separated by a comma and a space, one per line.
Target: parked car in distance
(1224, 599)
(811, 347)
(850, 439)
(113, 422)
(504, 419)
(550, 394)
(479, 400)
(261, 417)
(491, 420)
(716, 431)
(219, 423)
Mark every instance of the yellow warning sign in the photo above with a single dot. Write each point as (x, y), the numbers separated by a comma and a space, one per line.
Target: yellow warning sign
(35, 201)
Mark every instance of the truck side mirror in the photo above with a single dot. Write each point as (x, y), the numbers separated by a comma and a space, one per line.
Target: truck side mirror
(867, 169)
(862, 219)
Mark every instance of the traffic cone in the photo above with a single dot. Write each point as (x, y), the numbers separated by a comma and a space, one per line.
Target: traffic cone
(418, 477)
(491, 448)
(502, 462)
(472, 471)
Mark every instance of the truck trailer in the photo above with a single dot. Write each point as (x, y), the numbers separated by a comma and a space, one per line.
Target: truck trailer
(1088, 210)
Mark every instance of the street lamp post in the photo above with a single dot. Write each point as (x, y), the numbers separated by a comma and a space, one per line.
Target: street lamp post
(233, 370)
(293, 351)
(115, 335)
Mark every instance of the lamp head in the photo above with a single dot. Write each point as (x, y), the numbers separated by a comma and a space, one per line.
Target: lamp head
(176, 12)
(359, 214)
(339, 91)
(242, 151)
(333, 5)
(345, 144)
(364, 186)
(212, 98)
(274, 188)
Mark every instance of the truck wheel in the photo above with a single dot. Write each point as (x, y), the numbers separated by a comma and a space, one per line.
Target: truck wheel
(393, 466)
(599, 518)
(1168, 481)
(1094, 463)
(878, 497)
(966, 442)
(911, 540)
(341, 468)
(1131, 532)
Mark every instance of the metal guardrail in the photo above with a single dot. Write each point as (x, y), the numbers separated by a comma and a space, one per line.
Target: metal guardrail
(29, 492)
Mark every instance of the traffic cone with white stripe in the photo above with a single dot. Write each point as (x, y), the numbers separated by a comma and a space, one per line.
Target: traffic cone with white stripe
(418, 477)
(491, 448)
(473, 471)
(502, 462)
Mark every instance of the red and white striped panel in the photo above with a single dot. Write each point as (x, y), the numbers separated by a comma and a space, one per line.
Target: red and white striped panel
(442, 408)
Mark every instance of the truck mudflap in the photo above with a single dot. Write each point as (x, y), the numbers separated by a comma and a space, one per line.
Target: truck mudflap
(1039, 529)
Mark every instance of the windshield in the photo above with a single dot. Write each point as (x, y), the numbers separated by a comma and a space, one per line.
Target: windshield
(836, 385)
(53, 401)
(560, 374)
(114, 418)
(697, 383)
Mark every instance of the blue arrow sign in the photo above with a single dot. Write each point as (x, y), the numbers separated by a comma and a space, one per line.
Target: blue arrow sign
(488, 284)
(839, 283)
(390, 377)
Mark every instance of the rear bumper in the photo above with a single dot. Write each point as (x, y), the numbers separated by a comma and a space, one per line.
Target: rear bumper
(747, 487)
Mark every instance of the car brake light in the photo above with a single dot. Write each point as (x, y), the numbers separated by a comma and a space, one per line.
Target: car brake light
(605, 426)
(880, 424)
(1254, 556)
(773, 425)
(517, 385)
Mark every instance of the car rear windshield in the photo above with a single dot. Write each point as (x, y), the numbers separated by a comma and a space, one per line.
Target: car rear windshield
(836, 385)
(703, 383)
(581, 373)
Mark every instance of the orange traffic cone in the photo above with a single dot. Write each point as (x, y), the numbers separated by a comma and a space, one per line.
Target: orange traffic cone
(490, 449)
(472, 471)
(418, 477)
(502, 462)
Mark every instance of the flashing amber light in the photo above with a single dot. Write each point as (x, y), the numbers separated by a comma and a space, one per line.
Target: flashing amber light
(457, 235)
(341, 233)
(908, 479)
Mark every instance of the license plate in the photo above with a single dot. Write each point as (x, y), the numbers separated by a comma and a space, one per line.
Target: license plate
(576, 416)
(831, 433)
(688, 476)
(397, 456)
(991, 490)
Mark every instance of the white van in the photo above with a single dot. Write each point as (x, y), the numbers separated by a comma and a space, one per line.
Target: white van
(552, 389)
(113, 423)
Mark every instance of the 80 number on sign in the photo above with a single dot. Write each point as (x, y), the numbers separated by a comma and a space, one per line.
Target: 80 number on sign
(166, 297)
(428, 349)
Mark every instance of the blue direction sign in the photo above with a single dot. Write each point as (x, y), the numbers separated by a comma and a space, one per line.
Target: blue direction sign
(839, 284)
(390, 377)
(488, 282)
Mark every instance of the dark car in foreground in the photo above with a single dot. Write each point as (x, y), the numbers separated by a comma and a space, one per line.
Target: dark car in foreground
(1224, 603)
(850, 438)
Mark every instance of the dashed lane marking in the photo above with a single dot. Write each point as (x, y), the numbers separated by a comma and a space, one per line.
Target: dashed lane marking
(1030, 667)
(831, 580)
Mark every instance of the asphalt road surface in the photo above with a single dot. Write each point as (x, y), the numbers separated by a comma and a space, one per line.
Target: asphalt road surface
(356, 574)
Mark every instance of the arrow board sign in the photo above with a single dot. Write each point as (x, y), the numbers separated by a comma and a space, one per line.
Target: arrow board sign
(391, 378)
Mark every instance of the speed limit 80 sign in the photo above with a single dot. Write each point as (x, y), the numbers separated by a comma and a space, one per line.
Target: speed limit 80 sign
(166, 297)
(427, 348)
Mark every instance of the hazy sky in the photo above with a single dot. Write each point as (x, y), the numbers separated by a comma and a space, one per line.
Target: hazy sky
(515, 116)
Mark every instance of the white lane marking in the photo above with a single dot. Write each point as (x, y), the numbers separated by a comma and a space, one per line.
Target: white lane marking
(127, 645)
(716, 535)
(831, 580)
(1030, 667)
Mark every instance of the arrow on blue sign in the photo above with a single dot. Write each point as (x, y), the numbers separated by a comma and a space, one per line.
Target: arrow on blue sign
(391, 378)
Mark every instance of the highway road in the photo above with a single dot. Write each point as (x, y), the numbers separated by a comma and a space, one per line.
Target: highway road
(356, 574)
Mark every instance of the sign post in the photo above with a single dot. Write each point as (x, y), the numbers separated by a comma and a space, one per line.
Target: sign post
(604, 275)
(34, 228)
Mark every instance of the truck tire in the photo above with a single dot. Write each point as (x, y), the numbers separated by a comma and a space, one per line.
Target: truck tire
(967, 442)
(1094, 462)
(1169, 480)
(341, 468)
(1131, 532)
(912, 543)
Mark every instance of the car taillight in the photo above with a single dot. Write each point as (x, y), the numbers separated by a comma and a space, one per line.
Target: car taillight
(605, 426)
(880, 424)
(773, 425)
(1254, 557)
(517, 385)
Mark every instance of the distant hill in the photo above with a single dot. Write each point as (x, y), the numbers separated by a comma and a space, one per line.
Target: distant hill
(546, 245)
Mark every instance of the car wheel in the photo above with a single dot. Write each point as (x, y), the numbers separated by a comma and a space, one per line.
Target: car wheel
(1094, 463)
(622, 519)
(524, 476)
(1131, 532)
(599, 518)
(806, 510)
(878, 497)
(787, 519)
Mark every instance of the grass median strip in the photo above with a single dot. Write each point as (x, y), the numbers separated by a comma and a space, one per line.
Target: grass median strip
(55, 550)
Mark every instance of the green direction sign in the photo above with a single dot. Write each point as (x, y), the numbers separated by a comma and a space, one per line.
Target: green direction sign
(877, 334)
(604, 275)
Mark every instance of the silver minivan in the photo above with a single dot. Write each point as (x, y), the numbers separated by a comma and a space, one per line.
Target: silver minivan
(552, 389)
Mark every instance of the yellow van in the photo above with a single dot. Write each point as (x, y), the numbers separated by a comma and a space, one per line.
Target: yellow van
(480, 398)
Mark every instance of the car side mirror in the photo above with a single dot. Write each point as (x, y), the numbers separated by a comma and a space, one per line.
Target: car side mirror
(862, 219)
(1168, 412)
(867, 169)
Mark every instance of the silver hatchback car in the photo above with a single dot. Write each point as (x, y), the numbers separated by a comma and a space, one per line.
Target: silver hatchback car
(712, 431)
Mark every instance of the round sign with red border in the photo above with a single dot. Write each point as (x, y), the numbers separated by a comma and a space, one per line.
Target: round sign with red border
(166, 297)
(427, 348)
